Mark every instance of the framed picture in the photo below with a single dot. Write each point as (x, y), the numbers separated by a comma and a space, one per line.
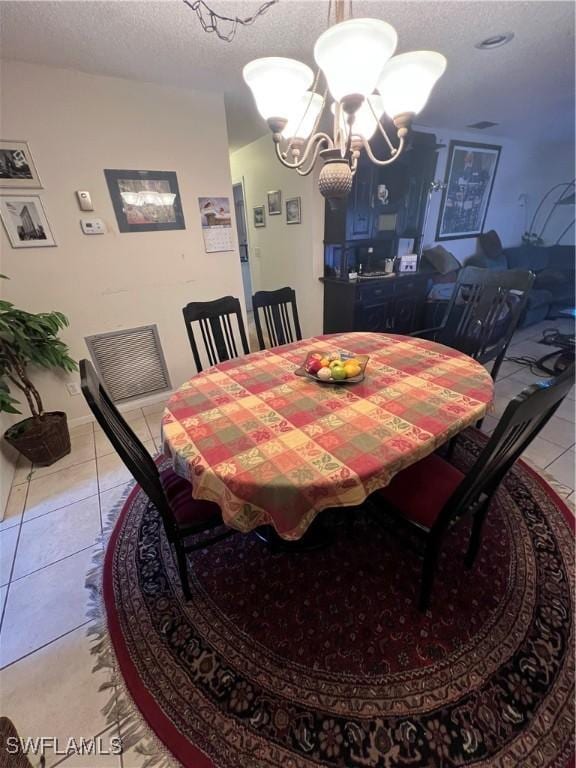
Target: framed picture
(17, 169)
(145, 201)
(259, 216)
(25, 221)
(274, 203)
(293, 211)
(470, 174)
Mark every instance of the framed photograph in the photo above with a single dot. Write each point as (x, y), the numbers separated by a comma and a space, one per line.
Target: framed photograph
(470, 174)
(145, 201)
(274, 203)
(259, 216)
(293, 211)
(17, 169)
(25, 221)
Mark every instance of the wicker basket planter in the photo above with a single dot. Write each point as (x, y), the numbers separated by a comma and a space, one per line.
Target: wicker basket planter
(42, 440)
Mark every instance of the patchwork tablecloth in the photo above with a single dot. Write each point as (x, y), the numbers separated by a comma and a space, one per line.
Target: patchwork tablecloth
(274, 448)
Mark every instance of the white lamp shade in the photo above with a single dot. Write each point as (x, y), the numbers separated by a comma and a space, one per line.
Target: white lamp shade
(277, 85)
(301, 123)
(353, 53)
(364, 120)
(407, 81)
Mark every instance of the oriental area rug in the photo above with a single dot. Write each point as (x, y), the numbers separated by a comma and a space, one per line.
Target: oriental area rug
(321, 658)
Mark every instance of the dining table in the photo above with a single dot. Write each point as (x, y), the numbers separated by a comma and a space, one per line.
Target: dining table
(274, 448)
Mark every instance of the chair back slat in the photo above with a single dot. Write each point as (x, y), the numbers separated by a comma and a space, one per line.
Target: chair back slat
(484, 311)
(216, 320)
(280, 317)
(127, 445)
(525, 416)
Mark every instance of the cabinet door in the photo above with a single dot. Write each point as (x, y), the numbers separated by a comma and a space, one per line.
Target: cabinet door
(375, 318)
(360, 205)
(405, 309)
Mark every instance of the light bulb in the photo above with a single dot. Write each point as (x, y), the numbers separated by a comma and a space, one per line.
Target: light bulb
(407, 81)
(353, 53)
(301, 122)
(364, 121)
(277, 85)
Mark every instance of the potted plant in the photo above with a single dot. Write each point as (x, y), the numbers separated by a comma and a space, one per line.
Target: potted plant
(28, 339)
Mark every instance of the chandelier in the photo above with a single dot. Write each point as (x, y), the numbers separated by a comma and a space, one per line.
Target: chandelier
(365, 82)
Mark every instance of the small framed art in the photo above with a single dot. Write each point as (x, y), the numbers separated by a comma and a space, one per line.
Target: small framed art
(145, 201)
(293, 211)
(259, 216)
(25, 221)
(17, 169)
(274, 203)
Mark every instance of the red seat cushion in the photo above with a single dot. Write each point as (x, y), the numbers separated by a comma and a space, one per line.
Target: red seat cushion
(188, 511)
(421, 491)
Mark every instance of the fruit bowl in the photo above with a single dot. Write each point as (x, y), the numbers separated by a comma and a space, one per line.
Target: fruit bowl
(334, 367)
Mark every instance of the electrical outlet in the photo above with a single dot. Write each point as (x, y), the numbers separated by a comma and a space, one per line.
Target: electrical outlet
(73, 388)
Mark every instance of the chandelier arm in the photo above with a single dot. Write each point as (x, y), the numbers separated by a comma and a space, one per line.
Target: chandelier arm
(312, 162)
(382, 130)
(315, 139)
(374, 159)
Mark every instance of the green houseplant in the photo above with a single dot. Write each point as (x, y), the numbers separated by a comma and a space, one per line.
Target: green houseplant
(28, 340)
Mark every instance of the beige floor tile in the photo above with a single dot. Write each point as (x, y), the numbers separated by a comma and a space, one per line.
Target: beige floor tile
(562, 469)
(54, 692)
(8, 541)
(155, 430)
(529, 348)
(44, 605)
(489, 424)
(111, 469)
(60, 489)
(14, 506)
(506, 369)
(82, 429)
(110, 503)
(139, 427)
(560, 432)
(541, 453)
(567, 410)
(156, 409)
(48, 538)
(23, 470)
(3, 591)
(525, 377)
(82, 449)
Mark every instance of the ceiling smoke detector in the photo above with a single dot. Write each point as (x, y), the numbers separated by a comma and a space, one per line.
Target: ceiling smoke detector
(495, 41)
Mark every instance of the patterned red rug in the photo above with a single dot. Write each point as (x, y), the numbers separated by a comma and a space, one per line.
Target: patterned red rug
(322, 659)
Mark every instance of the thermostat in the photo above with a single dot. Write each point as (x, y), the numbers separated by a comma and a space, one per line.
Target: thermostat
(92, 226)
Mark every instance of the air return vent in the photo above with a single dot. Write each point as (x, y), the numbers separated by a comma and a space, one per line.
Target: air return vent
(130, 362)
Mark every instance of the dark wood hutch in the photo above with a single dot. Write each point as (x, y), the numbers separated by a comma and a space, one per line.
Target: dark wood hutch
(387, 204)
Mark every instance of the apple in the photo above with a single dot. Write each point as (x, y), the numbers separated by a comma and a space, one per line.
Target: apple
(338, 372)
(324, 374)
(313, 366)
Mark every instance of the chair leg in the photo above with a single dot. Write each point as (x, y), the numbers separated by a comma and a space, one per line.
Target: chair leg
(475, 536)
(183, 569)
(427, 579)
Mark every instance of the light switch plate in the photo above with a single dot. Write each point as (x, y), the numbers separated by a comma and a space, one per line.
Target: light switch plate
(92, 226)
(84, 200)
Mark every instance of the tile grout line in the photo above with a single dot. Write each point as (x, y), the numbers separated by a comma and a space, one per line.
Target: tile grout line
(44, 645)
(14, 557)
(49, 565)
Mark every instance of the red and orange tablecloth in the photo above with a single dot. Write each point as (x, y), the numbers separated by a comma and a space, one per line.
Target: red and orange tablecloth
(274, 448)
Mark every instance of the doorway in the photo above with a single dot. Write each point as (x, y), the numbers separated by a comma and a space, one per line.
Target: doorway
(242, 228)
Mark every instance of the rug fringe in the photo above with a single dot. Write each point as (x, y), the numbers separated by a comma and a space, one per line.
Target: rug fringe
(120, 709)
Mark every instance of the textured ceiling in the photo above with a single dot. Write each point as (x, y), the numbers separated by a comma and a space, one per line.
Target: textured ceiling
(527, 86)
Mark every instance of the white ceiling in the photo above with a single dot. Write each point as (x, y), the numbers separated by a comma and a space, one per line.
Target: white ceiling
(527, 86)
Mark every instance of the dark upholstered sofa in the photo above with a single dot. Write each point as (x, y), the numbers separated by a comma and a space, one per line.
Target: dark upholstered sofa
(554, 266)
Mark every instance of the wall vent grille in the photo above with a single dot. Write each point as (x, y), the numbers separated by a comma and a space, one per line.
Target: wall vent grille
(130, 362)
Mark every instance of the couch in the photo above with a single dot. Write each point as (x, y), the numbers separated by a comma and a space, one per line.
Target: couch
(554, 266)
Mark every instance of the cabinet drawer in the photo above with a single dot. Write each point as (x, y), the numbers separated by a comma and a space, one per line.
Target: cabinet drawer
(410, 285)
(376, 294)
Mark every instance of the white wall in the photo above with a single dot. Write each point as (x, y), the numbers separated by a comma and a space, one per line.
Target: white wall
(283, 254)
(77, 125)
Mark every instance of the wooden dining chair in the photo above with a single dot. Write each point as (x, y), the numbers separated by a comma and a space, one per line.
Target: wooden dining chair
(276, 307)
(483, 313)
(431, 495)
(217, 321)
(181, 515)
